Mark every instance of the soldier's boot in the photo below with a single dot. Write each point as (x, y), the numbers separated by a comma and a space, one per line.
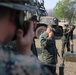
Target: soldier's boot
(68, 47)
(72, 48)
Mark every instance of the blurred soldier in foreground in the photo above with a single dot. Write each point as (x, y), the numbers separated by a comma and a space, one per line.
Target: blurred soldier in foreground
(65, 39)
(13, 46)
(33, 47)
(49, 50)
(24, 63)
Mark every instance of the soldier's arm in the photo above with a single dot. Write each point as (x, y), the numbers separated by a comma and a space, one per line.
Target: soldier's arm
(64, 31)
(45, 41)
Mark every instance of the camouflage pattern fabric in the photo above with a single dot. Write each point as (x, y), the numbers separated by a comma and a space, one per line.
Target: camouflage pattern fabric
(65, 40)
(12, 46)
(49, 51)
(27, 65)
(19, 64)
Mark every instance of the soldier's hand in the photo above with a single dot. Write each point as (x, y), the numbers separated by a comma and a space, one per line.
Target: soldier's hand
(51, 34)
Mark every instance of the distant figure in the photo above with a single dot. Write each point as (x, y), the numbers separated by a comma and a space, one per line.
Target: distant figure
(49, 50)
(71, 37)
(56, 21)
(65, 39)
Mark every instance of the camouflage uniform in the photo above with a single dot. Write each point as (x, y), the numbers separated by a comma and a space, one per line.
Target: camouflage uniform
(49, 51)
(12, 46)
(18, 64)
(65, 40)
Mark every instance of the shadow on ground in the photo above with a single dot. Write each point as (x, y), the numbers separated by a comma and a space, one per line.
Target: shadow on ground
(59, 38)
(74, 36)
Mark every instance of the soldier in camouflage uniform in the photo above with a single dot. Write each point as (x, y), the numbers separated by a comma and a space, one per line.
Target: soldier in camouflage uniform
(11, 63)
(49, 50)
(12, 45)
(65, 39)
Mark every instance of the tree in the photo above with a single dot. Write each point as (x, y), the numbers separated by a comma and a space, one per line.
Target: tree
(65, 9)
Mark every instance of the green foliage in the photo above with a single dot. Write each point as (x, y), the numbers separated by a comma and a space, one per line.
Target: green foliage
(65, 9)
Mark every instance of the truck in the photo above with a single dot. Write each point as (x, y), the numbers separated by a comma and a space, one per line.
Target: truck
(44, 21)
(38, 9)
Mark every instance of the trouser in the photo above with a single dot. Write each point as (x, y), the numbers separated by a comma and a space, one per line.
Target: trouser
(52, 69)
(71, 35)
(67, 44)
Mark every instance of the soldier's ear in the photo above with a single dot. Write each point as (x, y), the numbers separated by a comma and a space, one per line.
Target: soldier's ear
(19, 33)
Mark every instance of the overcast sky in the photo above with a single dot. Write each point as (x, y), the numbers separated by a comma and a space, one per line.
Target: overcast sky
(50, 4)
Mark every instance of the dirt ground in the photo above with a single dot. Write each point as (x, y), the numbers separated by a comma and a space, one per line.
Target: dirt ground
(70, 67)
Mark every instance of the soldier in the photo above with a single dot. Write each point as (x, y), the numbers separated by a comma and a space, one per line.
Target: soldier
(49, 50)
(33, 47)
(24, 63)
(56, 21)
(65, 38)
(71, 37)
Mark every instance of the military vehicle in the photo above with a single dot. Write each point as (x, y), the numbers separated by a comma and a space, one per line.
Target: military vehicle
(44, 21)
(37, 8)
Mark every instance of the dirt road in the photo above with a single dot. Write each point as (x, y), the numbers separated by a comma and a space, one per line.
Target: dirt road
(70, 67)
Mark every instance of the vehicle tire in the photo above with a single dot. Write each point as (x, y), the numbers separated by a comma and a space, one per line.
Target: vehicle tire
(40, 30)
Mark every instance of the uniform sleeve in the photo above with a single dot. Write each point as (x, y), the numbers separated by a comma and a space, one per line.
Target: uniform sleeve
(45, 42)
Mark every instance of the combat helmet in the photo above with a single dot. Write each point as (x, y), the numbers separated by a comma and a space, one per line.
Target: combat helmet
(19, 6)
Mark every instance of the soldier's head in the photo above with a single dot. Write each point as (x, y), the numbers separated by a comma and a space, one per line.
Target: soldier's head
(10, 18)
(50, 29)
(34, 19)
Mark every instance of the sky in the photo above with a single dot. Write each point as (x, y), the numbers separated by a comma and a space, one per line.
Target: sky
(50, 4)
